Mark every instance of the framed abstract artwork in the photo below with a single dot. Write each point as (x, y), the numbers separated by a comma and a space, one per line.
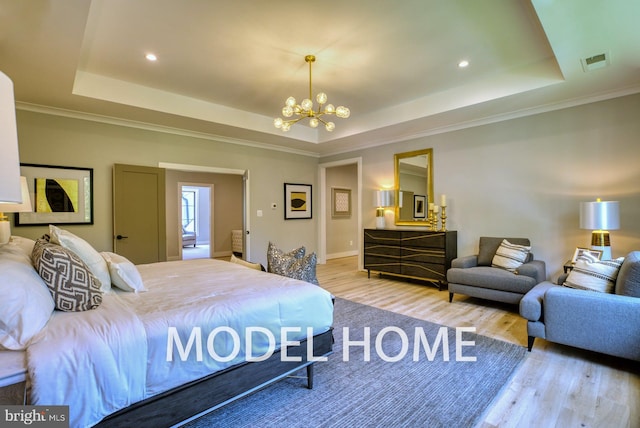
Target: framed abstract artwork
(340, 202)
(297, 201)
(59, 195)
(419, 206)
(580, 251)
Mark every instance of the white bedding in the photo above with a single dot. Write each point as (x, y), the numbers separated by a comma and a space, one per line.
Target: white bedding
(102, 360)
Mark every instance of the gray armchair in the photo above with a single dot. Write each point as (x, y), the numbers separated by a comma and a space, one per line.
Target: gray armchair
(474, 276)
(601, 322)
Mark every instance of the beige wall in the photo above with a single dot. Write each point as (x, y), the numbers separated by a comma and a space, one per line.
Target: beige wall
(56, 140)
(227, 208)
(527, 176)
(342, 232)
(520, 177)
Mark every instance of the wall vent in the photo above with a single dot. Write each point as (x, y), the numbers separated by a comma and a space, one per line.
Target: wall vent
(595, 62)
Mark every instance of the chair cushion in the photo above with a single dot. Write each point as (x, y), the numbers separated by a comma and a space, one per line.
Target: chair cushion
(628, 281)
(510, 256)
(493, 278)
(594, 276)
(489, 245)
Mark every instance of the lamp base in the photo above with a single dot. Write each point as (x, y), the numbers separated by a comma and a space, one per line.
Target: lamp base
(5, 231)
(600, 241)
(380, 223)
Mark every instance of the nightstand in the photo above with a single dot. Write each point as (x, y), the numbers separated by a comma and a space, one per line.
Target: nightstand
(568, 266)
(13, 376)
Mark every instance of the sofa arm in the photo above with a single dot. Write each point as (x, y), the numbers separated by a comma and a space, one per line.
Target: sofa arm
(535, 269)
(531, 303)
(465, 262)
(601, 322)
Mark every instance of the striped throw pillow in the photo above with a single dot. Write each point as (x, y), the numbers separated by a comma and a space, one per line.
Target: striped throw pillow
(594, 276)
(510, 256)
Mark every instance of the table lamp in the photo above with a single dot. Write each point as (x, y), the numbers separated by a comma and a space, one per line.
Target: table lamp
(600, 217)
(24, 206)
(383, 199)
(10, 192)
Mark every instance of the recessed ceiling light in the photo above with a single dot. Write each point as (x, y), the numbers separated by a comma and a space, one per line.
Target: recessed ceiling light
(151, 57)
(464, 63)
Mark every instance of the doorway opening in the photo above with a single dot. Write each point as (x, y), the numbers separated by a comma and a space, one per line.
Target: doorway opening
(195, 220)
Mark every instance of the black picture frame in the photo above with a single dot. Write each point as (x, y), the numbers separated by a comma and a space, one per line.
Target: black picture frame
(59, 195)
(297, 201)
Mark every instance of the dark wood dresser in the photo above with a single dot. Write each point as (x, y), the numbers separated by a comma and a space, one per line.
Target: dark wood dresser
(416, 254)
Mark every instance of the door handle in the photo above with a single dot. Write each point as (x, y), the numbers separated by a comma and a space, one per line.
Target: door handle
(121, 237)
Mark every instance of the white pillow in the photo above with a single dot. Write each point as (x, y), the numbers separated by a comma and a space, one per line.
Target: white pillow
(25, 245)
(124, 274)
(26, 304)
(510, 256)
(86, 252)
(245, 263)
(594, 276)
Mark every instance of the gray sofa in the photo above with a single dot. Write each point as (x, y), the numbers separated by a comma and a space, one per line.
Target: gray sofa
(474, 276)
(601, 322)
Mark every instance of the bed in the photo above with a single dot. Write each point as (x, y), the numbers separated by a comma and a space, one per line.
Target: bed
(181, 348)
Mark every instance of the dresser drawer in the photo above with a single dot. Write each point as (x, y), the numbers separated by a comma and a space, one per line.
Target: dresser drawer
(383, 237)
(424, 270)
(423, 255)
(424, 239)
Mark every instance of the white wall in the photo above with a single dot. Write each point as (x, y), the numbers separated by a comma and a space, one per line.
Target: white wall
(526, 177)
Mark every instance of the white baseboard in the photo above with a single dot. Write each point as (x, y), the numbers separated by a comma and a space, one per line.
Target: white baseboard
(343, 254)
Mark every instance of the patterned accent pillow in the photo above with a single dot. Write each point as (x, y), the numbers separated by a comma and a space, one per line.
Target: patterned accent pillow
(293, 264)
(279, 262)
(71, 283)
(510, 256)
(594, 276)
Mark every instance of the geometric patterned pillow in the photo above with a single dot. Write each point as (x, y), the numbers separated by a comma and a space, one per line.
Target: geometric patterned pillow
(594, 276)
(510, 256)
(72, 285)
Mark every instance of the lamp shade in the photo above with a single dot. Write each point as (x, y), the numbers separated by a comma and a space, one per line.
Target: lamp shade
(383, 198)
(600, 215)
(9, 161)
(24, 206)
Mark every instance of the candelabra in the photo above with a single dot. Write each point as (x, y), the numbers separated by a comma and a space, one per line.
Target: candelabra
(443, 217)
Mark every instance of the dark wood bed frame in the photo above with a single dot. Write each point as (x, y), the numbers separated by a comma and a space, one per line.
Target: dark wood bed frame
(201, 396)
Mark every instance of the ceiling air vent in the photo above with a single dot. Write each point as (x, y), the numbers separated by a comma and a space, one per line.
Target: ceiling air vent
(595, 62)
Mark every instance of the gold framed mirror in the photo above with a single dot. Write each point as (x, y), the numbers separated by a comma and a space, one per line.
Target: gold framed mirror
(413, 187)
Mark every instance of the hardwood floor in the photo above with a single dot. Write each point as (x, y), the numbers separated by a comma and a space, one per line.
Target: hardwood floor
(556, 386)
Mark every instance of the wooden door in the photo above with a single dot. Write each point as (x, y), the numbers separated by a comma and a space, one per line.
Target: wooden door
(139, 223)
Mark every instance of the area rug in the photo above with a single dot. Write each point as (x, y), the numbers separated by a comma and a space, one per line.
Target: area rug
(422, 390)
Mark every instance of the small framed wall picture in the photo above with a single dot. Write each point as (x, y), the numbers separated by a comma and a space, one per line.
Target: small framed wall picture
(587, 253)
(297, 201)
(340, 202)
(419, 206)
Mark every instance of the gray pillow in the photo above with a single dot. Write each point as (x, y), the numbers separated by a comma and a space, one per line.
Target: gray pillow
(293, 264)
(628, 281)
(279, 262)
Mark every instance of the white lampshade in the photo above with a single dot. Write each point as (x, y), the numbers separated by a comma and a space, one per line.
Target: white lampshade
(600, 215)
(20, 207)
(9, 160)
(383, 198)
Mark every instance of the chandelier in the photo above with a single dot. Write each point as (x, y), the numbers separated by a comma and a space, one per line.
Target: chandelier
(306, 109)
